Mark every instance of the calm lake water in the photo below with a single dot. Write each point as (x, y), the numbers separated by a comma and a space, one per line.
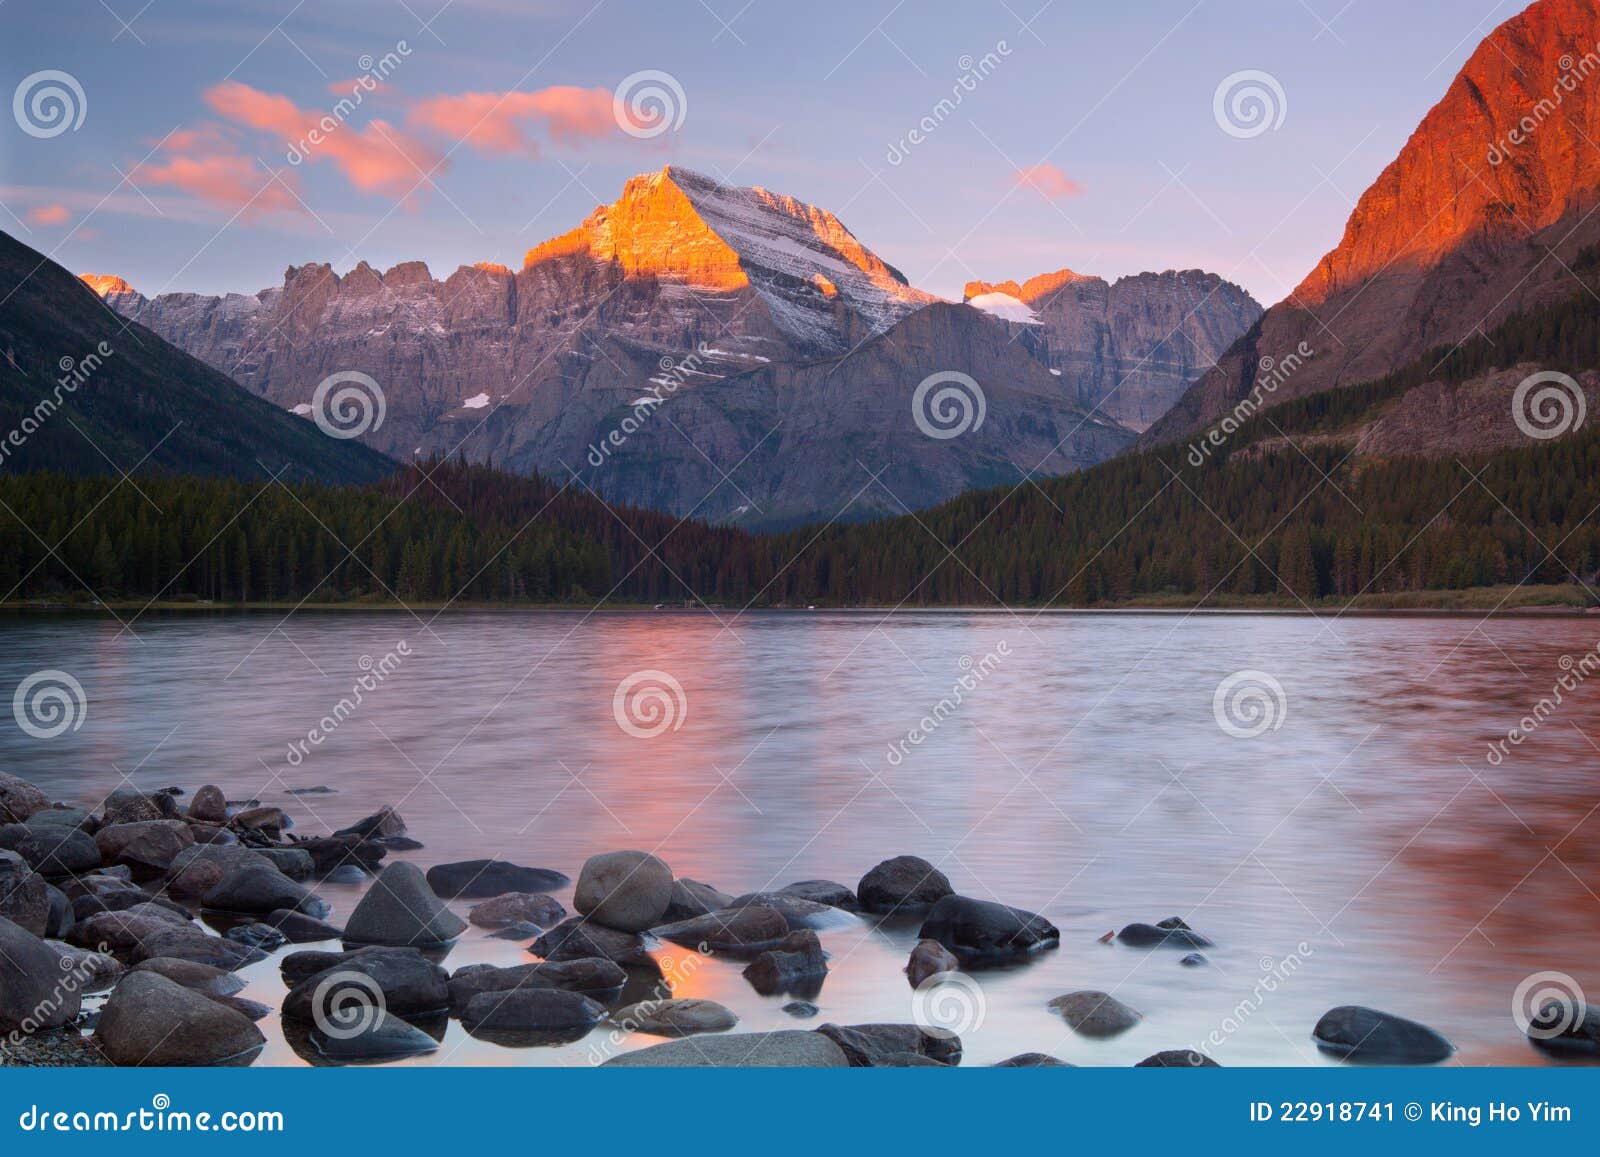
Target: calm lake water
(1361, 849)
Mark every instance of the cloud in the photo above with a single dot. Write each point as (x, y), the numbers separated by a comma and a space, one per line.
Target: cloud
(49, 215)
(228, 180)
(376, 158)
(498, 122)
(1049, 180)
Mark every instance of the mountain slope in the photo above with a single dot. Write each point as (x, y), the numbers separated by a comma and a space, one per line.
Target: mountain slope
(84, 391)
(1130, 348)
(1477, 219)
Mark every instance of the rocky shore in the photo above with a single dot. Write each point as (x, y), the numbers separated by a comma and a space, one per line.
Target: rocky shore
(123, 930)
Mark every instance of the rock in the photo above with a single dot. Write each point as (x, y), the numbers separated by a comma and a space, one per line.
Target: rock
(152, 1021)
(335, 854)
(202, 978)
(347, 874)
(269, 821)
(398, 980)
(803, 1009)
(320, 789)
(1566, 1025)
(531, 1010)
(19, 799)
(797, 911)
(298, 966)
(298, 928)
(1193, 960)
(296, 863)
(1163, 935)
(517, 907)
(1367, 1035)
(909, 1061)
(575, 939)
(735, 930)
(691, 898)
(121, 932)
(32, 996)
(146, 847)
(379, 1036)
(58, 816)
(205, 833)
(521, 930)
(1178, 1059)
(929, 958)
(1095, 1014)
(1033, 1061)
(399, 843)
(85, 906)
(824, 892)
(253, 1010)
(796, 965)
(903, 884)
(385, 822)
(400, 908)
(478, 879)
(674, 1017)
(51, 851)
(186, 942)
(209, 805)
(129, 805)
(24, 899)
(786, 1048)
(981, 932)
(262, 937)
(595, 978)
(259, 888)
(627, 890)
(61, 917)
(90, 971)
(869, 1045)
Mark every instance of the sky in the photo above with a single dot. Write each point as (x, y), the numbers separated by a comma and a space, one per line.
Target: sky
(989, 139)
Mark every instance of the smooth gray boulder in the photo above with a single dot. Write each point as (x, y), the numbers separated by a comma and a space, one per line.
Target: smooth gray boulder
(1178, 1059)
(32, 996)
(828, 892)
(150, 1021)
(51, 851)
(797, 911)
(628, 890)
(203, 978)
(400, 909)
(258, 888)
(687, 1017)
(531, 1010)
(982, 932)
(1033, 1061)
(298, 928)
(1170, 933)
(1097, 1015)
(903, 884)
(1368, 1036)
(787, 1048)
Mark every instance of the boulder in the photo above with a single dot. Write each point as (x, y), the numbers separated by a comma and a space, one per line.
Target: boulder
(981, 932)
(90, 971)
(732, 930)
(61, 918)
(1095, 1014)
(296, 863)
(203, 978)
(383, 823)
(19, 799)
(146, 847)
(378, 1036)
(481, 879)
(627, 890)
(575, 939)
(85, 906)
(129, 805)
(595, 978)
(869, 1045)
(121, 932)
(903, 884)
(152, 1021)
(929, 958)
(674, 1017)
(400, 909)
(796, 965)
(1368, 1036)
(909, 1061)
(1565, 1024)
(254, 934)
(1193, 960)
(531, 1010)
(271, 822)
(60, 816)
(205, 833)
(399, 980)
(824, 892)
(32, 996)
(801, 1009)
(517, 908)
(1178, 1059)
(691, 898)
(347, 854)
(521, 930)
(787, 1048)
(187, 942)
(298, 928)
(24, 900)
(209, 805)
(259, 888)
(1170, 933)
(797, 911)
(1033, 1061)
(51, 851)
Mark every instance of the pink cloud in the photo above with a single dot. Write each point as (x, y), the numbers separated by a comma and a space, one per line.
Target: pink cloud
(497, 122)
(203, 163)
(49, 215)
(378, 157)
(1049, 180)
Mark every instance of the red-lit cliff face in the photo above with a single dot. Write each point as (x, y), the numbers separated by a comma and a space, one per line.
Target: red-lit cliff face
(1476, 219)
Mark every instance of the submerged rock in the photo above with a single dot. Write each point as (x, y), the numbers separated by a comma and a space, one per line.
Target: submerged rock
(378, 1037)
(828, 892)
(482, 879)
(802, 1009)
(1095, 1014)
(980, 932)
(796, 964)
(629, 890)
(903, 884)
(1170, 933)
(1033, 1061)
(929, 958)
(1178, 1059)
(1369, 1036)
(786, 1048)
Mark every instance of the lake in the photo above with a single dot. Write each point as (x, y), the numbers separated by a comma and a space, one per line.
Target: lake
(1339, 822)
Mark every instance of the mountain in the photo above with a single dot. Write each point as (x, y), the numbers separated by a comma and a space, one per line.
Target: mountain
(1131, 348)
(1485, 214)
(86, 391)
(773, 347)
